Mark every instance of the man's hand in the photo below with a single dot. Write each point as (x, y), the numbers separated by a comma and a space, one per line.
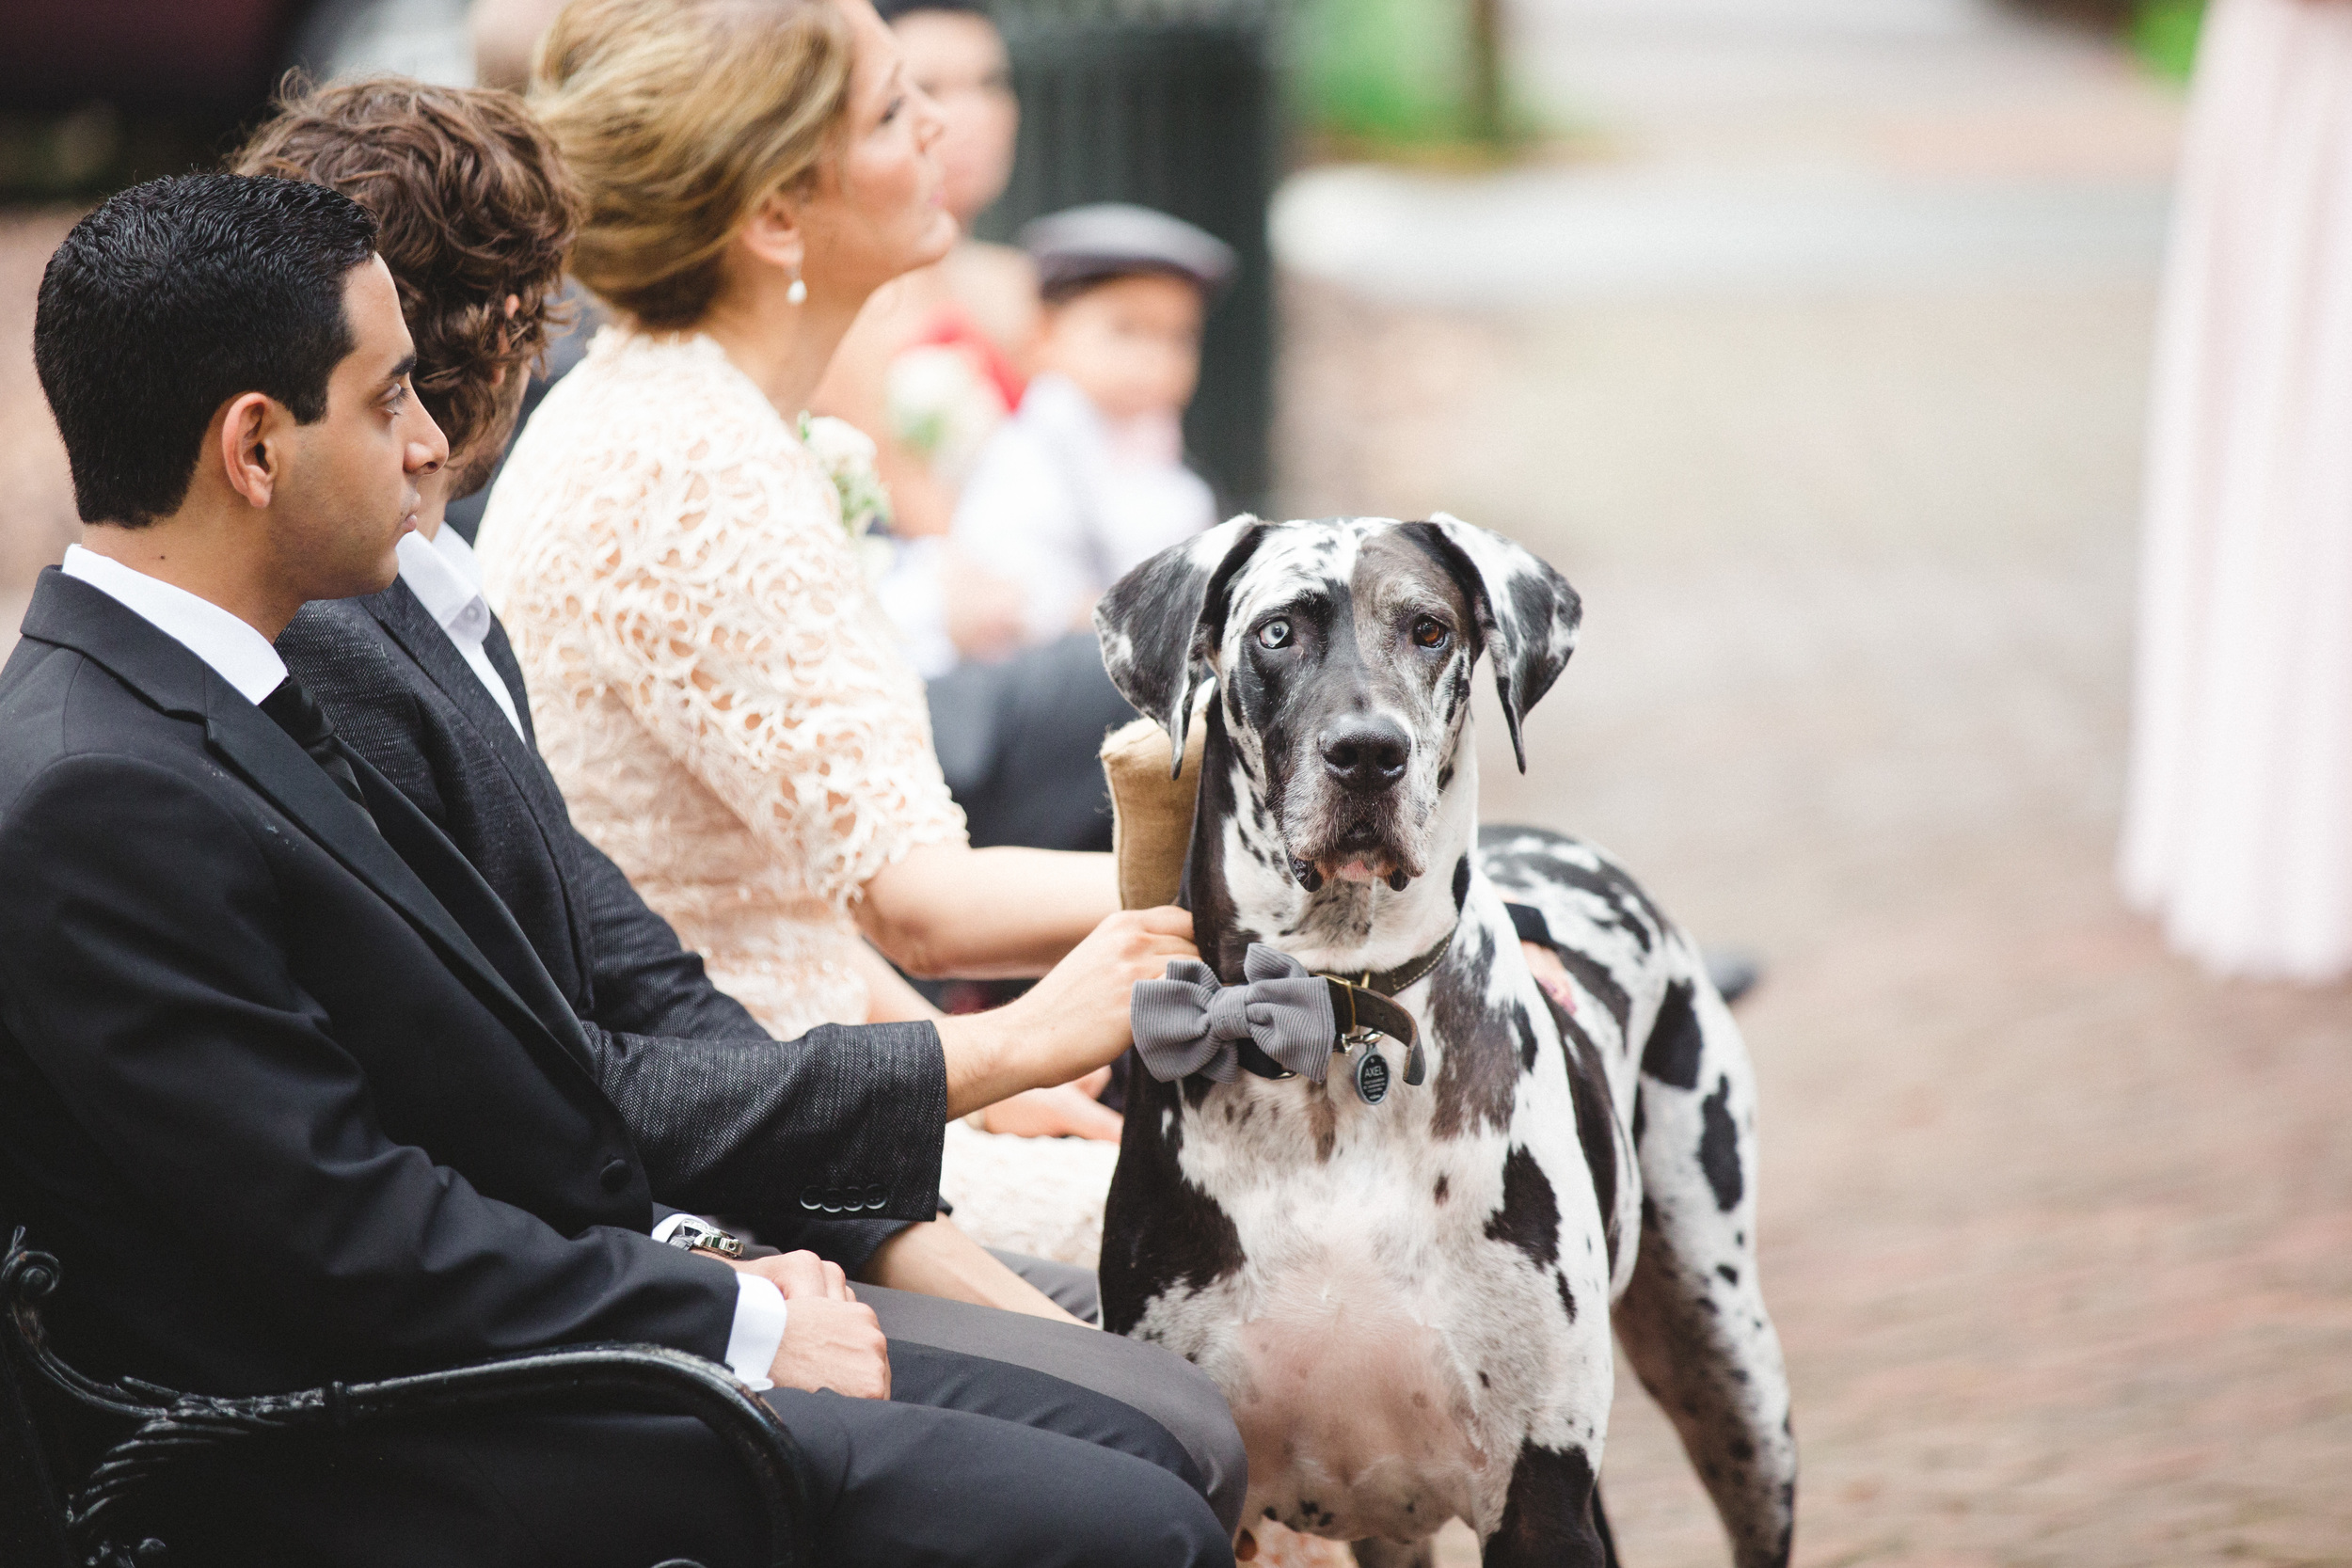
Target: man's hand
(801, 1275)
(833, 1344)
(1071, 1021)
(831, 1338)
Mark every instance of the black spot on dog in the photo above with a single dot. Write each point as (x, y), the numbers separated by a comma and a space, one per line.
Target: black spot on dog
(1526, 1028)
(1461, 877)
(1729, 1275)
(1547, 1515)
(1596, 1115)
(1159, 1230)
(1528, 1216)
(1477, 1081)
(1641, 1118)
(1601, 986)
(1484, 1382)
(1676, 1044)
(1442, 1190)
(1536, 857)
(1568, 1297)
(1718, 1146)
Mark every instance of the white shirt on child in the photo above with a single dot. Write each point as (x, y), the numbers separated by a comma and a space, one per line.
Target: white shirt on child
(1062, 503)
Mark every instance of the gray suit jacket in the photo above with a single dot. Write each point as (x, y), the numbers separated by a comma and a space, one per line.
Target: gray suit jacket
(688, 1068)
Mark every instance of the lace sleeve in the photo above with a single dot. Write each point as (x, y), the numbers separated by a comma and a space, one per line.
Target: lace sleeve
(734, 623)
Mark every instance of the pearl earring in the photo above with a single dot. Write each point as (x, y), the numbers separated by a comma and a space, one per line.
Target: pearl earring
(797, 293)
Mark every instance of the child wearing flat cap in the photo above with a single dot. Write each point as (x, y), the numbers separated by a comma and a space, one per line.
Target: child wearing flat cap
(1087, 479)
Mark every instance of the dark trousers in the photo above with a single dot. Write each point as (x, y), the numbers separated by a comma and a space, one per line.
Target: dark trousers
(976, 1460)
(1020, 742)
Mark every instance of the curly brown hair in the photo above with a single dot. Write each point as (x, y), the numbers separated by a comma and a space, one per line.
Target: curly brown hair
(476, 205)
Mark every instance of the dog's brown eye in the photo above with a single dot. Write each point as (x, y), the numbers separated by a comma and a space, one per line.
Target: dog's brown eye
(1275, 634)
(1429, 633)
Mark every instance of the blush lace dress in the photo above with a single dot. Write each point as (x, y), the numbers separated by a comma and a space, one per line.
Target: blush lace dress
(722, 704)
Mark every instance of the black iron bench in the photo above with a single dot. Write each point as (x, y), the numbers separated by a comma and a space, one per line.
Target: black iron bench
(49, 1519)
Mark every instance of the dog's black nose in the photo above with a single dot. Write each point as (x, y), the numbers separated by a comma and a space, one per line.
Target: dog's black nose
(1366, 753)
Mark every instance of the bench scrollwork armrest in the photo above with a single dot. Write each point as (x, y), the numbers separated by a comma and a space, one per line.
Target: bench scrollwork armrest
(170, 1426)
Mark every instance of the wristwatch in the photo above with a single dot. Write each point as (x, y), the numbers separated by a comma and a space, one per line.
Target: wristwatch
(689, 1235)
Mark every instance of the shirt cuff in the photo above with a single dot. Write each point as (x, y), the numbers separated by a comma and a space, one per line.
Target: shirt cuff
(758, 1331)
(666, 1226)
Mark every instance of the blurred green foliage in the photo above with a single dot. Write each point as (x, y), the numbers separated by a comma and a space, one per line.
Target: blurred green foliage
(1384, 73)
(2165, 33)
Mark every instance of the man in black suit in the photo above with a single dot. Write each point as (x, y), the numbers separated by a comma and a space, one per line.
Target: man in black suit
(283, 1083)
(477, 218)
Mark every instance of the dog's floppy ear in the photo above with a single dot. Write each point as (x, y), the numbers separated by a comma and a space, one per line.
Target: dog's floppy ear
(1527, 612)
(1160, 623)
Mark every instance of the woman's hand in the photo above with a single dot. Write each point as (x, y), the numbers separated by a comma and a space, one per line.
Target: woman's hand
(1065, 1110)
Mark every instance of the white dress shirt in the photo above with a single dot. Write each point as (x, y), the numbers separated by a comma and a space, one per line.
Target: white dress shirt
(236, 653)
(244, 657)
(446, 579)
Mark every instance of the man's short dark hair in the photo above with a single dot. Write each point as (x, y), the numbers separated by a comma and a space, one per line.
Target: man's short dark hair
(174, 297)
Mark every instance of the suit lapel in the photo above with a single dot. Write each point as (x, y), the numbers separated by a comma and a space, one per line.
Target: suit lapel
(410, 624)
(73, 614)
(281, 771)
(502, 660)
(406, 620)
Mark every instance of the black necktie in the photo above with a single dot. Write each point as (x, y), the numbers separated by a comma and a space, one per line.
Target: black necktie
(290, 708)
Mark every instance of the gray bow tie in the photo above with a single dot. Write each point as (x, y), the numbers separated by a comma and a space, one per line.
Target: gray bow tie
(1190, 1023)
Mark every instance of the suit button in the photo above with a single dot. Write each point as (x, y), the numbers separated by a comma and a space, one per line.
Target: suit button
(833, 1200)
(812, 1198)
(875, 1196)
(615, 1176)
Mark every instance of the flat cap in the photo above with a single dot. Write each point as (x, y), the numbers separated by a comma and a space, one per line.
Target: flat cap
(1112, 238)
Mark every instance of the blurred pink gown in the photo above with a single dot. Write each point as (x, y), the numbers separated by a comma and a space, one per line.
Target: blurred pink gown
(2238, 820)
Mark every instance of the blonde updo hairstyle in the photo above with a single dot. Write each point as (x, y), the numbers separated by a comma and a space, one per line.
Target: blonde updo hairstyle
(678, 118)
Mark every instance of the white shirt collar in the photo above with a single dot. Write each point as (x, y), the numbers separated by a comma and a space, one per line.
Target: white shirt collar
(443, 575)
(236, 653)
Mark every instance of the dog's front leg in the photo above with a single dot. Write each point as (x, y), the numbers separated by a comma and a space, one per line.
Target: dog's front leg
(1551, 1517)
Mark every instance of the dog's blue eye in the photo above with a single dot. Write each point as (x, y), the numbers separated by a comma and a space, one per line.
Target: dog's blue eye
(1275, 634)
(1429, 633)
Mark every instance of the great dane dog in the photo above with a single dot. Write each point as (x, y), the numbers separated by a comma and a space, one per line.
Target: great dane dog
(1408, 1299)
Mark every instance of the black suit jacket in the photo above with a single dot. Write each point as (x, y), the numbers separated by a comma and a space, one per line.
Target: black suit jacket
(289, 1092)
(838, 1101)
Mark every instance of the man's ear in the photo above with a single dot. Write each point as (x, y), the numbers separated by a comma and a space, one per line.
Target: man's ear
(1527, 614)
(249, 424)
(1160, 625)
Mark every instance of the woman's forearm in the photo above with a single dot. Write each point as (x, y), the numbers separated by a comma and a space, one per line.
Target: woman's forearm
(888, 998)
(986, 913)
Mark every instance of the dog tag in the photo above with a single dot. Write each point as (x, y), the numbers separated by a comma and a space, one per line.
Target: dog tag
(1416, 1065)
(1372, 1076)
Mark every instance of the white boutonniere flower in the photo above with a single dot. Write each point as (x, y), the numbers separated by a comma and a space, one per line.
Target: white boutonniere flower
(846, 453)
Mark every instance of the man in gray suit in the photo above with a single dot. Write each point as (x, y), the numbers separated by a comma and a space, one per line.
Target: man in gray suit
(477, 218)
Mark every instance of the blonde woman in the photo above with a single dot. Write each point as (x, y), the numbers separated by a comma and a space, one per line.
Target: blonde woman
(711, 681)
